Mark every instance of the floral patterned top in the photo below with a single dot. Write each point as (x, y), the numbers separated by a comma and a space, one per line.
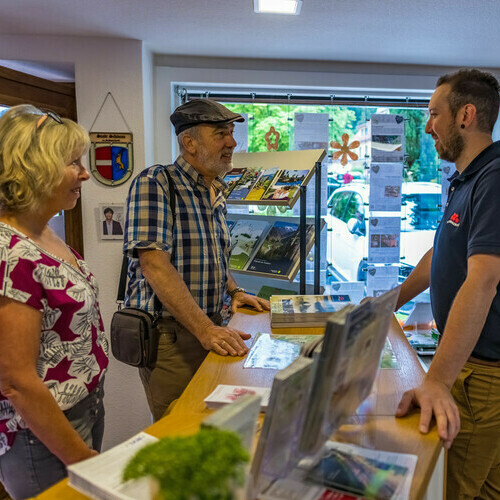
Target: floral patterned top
(73, 348)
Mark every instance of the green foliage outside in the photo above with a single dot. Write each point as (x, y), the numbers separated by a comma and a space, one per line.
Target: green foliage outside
(422, 161)
(204, 466)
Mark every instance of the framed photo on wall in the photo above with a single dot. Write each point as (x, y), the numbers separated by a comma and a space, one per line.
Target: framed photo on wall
(111, 221)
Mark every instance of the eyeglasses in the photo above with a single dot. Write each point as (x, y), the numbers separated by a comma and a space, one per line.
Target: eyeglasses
(48, 114)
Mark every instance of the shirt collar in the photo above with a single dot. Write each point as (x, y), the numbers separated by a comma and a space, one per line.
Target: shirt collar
(195, 177)
(480, 161)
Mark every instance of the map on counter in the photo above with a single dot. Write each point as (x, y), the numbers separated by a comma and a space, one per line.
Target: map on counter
(271, 353)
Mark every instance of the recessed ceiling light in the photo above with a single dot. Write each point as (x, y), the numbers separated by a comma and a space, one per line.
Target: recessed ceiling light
(277, 6)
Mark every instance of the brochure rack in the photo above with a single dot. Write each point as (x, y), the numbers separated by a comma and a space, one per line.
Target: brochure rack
(306, 163)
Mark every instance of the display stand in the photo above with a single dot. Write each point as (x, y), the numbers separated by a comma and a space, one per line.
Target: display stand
(306, 160)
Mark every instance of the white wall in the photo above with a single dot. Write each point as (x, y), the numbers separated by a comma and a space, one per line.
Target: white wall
(124, 68)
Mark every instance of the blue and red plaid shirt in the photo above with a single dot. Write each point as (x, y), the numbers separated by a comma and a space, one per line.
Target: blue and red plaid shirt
(200, 235)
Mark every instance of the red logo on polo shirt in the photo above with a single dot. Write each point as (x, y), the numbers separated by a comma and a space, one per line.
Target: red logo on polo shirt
(454, 220)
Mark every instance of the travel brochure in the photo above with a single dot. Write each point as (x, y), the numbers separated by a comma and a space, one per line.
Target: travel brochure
(258, 184)
(245, 235)
(279, 252)
(260, 247)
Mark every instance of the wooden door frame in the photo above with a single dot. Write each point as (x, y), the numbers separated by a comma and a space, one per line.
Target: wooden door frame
(21, 88)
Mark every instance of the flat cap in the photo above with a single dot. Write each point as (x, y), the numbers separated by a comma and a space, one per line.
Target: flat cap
(201, 111)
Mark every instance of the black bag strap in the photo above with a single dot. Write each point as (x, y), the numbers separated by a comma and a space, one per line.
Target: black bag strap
(123, 272)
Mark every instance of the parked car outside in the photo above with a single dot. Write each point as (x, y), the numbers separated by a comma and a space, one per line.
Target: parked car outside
(347, 212)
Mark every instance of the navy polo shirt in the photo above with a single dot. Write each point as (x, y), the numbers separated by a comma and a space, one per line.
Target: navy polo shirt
(470, 225)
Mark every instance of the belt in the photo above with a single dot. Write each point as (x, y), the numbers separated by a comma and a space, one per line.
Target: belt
(483, 362)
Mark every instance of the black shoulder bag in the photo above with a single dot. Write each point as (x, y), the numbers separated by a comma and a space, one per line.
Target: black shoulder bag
(134, 334)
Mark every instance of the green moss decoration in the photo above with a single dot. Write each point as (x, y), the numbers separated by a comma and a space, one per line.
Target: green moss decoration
(204, 466)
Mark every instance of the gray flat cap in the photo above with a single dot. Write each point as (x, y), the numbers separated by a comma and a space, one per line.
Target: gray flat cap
(201, 111)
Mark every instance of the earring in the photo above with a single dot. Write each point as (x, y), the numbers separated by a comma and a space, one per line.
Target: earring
(462, 126)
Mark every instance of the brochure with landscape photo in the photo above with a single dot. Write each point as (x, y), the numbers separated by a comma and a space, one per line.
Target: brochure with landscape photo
(271, 353)
(244, 185)
(279, 252)
(262, 184)
(245, 236)
(232, 178)
(362, 472)
(285, 185)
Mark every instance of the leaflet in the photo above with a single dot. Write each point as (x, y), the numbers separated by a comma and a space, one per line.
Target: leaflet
(380, 279)
(384, 239)
(387, 138)
(271, 353)
(240, 135)
(447, 170)
(385, 187)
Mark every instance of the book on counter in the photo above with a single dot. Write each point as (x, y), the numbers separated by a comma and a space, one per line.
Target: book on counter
(245, 237)
(304, 310)
(101, 476)
(279, 252)
(225, 394)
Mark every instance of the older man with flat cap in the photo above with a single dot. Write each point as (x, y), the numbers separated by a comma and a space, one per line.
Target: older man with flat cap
(178, 244)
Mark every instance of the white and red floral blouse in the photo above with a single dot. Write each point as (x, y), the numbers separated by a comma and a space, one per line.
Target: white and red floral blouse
(73, 348)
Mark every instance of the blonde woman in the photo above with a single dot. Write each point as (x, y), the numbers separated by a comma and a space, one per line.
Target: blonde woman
(53, 352)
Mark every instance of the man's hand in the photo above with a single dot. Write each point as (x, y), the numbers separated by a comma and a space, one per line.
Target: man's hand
(242, 298)
(224, 340)
(433, 398)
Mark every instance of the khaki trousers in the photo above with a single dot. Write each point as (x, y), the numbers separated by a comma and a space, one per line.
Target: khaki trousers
(179, 356)
(473, 466)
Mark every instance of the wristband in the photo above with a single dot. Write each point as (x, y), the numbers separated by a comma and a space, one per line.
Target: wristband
(238, 289)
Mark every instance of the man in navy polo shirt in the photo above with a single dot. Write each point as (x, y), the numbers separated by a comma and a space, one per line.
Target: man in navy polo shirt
(462, 387)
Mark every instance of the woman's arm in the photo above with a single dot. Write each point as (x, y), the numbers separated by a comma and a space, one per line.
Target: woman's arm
(20, 383)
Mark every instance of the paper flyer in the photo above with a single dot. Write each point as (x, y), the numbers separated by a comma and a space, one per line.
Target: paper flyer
(240, 135)
(311, 131)
(387, 138)
(379, 279)
(447, 170)
(355, 289)
(384, 239)
(385, 187)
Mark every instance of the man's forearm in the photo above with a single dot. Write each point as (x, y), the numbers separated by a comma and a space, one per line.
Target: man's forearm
(463, 327)
(172, 291)
(417, 281)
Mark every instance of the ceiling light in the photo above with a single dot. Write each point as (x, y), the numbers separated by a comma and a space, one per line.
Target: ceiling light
(277, 6)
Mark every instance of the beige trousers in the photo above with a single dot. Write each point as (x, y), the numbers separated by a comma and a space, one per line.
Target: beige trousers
(473, 466)
(179, 356)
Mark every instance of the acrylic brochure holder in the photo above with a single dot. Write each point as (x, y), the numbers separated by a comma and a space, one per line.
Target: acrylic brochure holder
(319, 391)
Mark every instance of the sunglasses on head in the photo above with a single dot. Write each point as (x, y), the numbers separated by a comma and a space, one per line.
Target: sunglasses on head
(48, 114)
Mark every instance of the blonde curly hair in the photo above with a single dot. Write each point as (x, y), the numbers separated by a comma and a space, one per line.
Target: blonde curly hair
(33, 156)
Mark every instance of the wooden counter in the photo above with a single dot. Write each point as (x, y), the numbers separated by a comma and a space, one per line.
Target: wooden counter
(374, 425)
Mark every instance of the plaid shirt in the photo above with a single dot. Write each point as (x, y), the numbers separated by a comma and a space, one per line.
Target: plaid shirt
(200, 235)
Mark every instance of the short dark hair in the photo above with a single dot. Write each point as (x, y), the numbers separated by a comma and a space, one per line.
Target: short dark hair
(107, 210)
(471, 86)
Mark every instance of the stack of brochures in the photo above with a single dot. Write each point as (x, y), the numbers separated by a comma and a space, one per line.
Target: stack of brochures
(304, 310)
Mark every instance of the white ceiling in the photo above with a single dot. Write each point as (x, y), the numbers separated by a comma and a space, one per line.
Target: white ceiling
(431, 32)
